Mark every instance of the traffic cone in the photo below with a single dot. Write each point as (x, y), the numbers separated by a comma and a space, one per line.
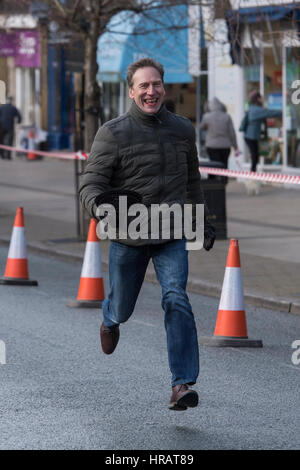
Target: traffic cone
(91, 289)
(16, 272)
(231, 325)
(31, 146)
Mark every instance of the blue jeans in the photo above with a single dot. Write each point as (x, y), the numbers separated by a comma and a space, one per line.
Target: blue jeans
(127, 268)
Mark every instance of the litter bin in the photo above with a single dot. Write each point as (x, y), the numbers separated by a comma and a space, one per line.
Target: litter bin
(215, 196)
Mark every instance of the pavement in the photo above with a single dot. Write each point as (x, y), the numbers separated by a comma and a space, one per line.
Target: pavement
(266, 226)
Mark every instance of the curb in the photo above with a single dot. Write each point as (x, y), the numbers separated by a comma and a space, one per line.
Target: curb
(194, 285)
(295, 308)
(273, 303)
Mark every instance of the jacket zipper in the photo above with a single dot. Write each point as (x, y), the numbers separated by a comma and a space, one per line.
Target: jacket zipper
(162, 162)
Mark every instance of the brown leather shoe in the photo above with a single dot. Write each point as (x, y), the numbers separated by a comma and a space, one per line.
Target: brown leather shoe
(182, 398)
(109, 338)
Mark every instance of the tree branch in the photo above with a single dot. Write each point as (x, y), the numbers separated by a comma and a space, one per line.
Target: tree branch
(59, 7)
(75, 9)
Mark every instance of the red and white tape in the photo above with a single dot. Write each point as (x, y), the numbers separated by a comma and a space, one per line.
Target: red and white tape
(80, 155)
(62, 155)
(258, 176)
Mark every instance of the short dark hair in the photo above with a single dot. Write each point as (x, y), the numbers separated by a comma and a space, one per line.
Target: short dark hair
(139, 64)
(254, 96)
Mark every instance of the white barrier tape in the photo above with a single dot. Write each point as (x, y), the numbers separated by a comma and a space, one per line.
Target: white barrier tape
(62, 155)
(81, 155)
(270, 177)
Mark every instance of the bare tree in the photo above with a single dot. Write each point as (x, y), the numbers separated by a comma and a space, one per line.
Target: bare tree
(89, 19)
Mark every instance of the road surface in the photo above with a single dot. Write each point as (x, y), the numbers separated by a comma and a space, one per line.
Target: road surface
(59, 391)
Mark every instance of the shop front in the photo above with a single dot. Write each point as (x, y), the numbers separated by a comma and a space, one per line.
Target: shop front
(20, 70)
(279, 85)
(266, 76)
(65, 78)
(270, 62)
(292, 107)
(133, 37)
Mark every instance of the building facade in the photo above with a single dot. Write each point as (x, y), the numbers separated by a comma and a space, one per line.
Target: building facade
(20, 65)
(43, 72)
(261, 51)
(176, 41)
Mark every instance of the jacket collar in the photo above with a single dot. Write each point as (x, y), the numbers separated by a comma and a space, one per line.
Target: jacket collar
(146, 118)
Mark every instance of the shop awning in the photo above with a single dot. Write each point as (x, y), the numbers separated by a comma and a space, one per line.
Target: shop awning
(258, 13)
(235, 20)
(131, 37)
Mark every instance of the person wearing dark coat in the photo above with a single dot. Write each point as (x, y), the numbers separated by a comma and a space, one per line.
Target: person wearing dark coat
(8, 114)
(151, 153)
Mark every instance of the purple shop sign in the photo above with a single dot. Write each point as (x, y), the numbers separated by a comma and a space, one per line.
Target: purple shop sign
(27, 49)
(24, 46)
(7, 44)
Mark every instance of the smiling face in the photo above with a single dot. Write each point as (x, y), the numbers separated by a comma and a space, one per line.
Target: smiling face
(147, 89)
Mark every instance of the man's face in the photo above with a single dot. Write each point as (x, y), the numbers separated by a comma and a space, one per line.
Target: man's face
(147, 90)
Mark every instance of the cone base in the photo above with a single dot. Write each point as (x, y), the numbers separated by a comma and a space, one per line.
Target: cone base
(222, 341)
(84, 303)
(15, 281)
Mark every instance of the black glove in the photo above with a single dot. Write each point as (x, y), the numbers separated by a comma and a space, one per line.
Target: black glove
(209, 236)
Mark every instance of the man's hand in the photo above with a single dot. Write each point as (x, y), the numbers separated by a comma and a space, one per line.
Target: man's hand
(209, 236)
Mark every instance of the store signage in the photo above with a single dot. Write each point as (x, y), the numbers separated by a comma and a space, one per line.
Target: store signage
(7, 44)
(237, 4)
(24, 46)
(57, 36)
(277, 77)
(274, 101)
(27, 49)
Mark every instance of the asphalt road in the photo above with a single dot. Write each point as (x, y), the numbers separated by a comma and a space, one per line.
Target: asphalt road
(59, 391)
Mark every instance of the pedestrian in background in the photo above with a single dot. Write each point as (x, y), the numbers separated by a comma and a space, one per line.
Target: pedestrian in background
(150, 152)
(251, 124)
(220, 134)
(8, 114)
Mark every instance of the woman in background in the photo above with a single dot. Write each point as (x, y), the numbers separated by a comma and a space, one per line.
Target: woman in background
(252, 129)
(220, 133)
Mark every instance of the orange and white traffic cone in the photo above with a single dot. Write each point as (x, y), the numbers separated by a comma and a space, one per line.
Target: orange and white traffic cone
(16, 272)
(31, 146)
(231, 325)
(91, 289)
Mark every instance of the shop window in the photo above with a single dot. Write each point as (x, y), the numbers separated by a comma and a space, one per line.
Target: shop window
(271, 142)
(293, 107)
(271, 146)
(251, 72)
